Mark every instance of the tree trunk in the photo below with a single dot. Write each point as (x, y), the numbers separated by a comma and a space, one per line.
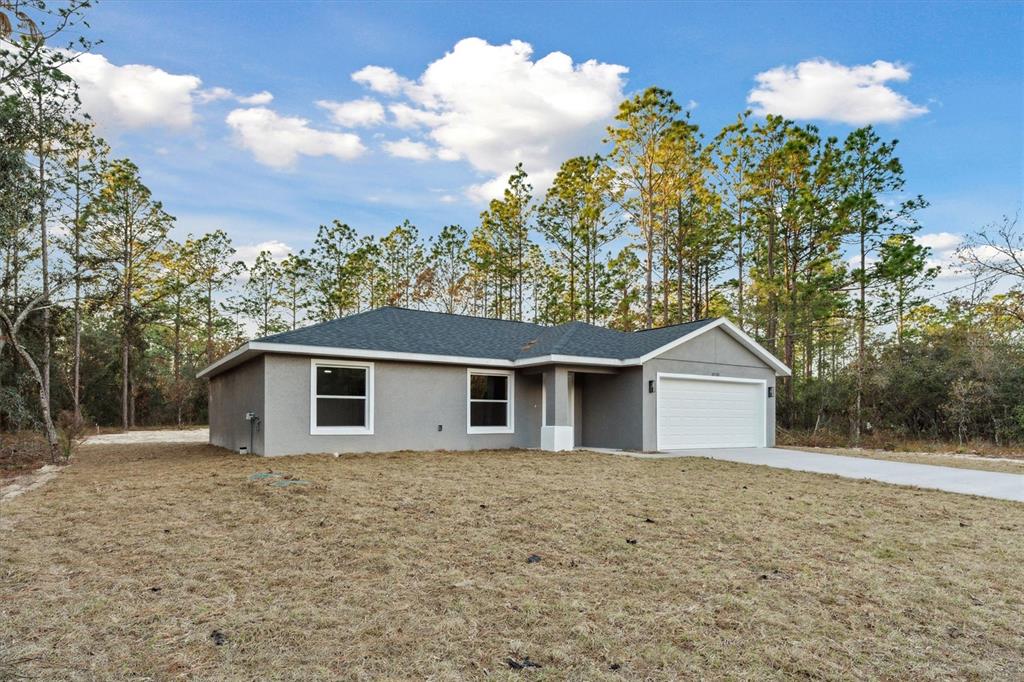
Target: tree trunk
(649, 276)
(739, 266)
(665, 276)
(861, 330)
(44, 403)
(126, 313)
(177, 357)
(76, 371)
(44, 246)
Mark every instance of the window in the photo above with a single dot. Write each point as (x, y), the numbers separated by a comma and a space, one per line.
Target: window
(341, 398)
(489, 401)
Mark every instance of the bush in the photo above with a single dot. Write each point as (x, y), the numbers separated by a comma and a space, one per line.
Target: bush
(70, 433)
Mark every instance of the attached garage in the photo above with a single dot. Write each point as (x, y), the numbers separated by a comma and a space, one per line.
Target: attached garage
(710, 412)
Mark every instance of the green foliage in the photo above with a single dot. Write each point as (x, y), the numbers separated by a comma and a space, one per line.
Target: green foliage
(262, 299)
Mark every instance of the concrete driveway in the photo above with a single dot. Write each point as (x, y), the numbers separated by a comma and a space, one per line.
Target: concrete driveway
(1001, 486)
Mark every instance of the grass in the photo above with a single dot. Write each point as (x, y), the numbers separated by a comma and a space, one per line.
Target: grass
(137, 560)
(1011, 465)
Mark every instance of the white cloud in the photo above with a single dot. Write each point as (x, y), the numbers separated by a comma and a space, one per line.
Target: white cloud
(278, 141)
(358, 112)
(380, 79)
(133, 95)
(939, 241)
(248, 253)
(448, 155)
(494, 106)
(943, 247)
(216, 94)
(495, 187)
(820, 89)
(408, 149)
(406, 116)
(262, 97)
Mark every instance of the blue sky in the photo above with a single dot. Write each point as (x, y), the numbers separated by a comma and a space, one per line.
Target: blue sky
(250, 166)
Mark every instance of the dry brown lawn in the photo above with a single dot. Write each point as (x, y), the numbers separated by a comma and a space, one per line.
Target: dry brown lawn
(138, 560)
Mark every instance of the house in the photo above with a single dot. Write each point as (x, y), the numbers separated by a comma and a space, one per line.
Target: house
(397, 379)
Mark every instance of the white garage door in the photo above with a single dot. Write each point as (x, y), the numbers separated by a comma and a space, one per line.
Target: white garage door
(710, 413)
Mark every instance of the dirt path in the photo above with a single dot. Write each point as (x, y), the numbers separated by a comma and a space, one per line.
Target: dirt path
(30, 481)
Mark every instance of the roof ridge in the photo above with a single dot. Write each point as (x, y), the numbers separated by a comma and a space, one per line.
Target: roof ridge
(472, 317)
(677, 324)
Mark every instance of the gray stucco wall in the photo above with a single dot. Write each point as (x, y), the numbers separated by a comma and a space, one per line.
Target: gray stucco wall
(612, 409)
(712, 352)
(232, 394)
(410, 400)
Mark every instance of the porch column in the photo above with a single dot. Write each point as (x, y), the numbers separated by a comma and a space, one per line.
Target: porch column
(557, 432)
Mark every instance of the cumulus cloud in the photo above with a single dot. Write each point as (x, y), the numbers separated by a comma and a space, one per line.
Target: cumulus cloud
(248, 253)
(133, 95)
(939, 242)
(380, 79)
(218, 93)
(824, 90)
(354, 113)
(943, 247)
(405, 116)
(214, 94)
(408, 149)
(494, 106)
(278, 141)
(262, 97)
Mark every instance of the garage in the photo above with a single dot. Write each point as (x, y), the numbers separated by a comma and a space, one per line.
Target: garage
(710, 412)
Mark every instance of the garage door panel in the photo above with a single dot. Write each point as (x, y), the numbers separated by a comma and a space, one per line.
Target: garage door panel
(701, 413)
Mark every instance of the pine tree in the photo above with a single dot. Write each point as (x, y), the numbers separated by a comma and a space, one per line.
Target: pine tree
(129, 229)
(449, 268)
(261, 299)
(873, 175)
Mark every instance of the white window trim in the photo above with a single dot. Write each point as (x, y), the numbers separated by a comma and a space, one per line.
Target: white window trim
(315, 430)
(510, 428)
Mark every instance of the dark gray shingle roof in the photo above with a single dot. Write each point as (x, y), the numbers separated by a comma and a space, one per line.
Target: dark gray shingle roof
(420, 331)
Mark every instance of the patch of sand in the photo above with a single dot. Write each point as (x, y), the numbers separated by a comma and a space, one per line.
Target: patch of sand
(156, 436)
(29, 481)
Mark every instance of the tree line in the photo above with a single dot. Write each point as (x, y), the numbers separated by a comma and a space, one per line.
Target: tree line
(806, 241)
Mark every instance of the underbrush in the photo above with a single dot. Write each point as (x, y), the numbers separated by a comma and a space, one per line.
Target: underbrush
(22, 452)
(892, 442)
